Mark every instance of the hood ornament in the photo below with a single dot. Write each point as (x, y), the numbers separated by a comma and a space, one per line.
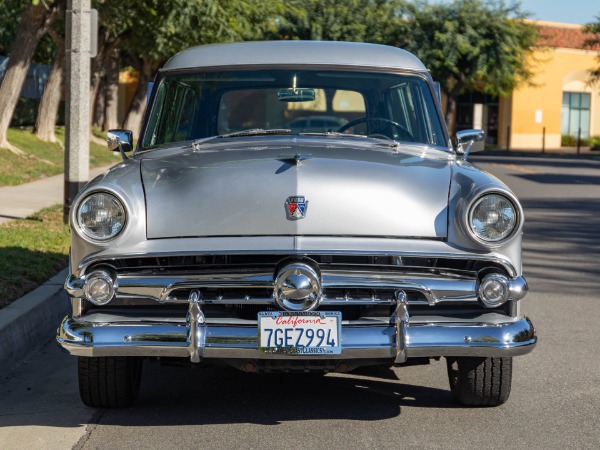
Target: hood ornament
(295, 207)
(294, 160)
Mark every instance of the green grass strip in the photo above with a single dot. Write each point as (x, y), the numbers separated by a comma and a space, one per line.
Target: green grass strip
(42, 159)
(32, 250)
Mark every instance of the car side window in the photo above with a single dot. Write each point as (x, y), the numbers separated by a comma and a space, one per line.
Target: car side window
(401, 108)
(407, 105)
(180, 115)
(176, 108)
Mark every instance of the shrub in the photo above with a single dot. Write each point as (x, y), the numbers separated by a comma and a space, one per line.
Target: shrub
(26, 112)
(566, 140)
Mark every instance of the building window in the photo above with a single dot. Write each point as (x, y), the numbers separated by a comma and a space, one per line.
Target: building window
(575, 114)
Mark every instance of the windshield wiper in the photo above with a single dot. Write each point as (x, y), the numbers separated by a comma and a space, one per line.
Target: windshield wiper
(335, 134)
(255, 132)
(251, 132)
(386, 142)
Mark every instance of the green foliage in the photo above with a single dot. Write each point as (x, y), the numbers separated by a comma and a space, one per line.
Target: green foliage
(10, 15)
(472, 44)
(566, 140)
(31, 251)
(593, 30)
(26, 113)
(11, 11)
(378, 21)
(157, 29)
(595, 143)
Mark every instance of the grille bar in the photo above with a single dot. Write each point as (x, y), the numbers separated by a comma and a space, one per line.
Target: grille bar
(339, 288)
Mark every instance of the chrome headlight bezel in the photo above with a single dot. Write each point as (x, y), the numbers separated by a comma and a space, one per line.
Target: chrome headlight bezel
(491, 243)
(84, 232)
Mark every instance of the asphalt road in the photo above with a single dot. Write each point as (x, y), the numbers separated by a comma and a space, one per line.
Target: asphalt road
(555, 400)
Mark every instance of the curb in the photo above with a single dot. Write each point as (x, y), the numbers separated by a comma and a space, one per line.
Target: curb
(538, 154)
(30, 321)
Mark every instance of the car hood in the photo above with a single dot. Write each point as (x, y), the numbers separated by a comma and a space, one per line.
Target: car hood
(239, 187)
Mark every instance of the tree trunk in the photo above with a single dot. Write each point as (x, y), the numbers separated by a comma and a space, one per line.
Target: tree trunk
(99, 103)
(451, 113)
(138, 105)
(111, 108)
(96, 73)
(451, 104)
(48, 109)
(96, 76)
(34, 23)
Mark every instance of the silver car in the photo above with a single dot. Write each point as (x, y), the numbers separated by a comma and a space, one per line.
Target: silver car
(228, 238)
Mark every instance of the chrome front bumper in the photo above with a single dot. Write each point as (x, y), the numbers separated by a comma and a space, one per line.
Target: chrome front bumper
(198, 338)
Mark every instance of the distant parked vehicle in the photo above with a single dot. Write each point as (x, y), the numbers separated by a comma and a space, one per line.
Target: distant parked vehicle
(316, 124)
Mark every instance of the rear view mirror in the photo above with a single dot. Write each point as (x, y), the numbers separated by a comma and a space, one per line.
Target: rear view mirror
(119, 140)
(296, 95)
(469, 141)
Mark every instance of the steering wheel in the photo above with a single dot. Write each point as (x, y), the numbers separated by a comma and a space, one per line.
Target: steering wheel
(404, 131)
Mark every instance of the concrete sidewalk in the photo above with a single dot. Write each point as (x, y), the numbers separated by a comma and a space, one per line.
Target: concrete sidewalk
(19, 202)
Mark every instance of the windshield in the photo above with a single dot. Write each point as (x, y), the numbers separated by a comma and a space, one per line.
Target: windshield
(192, 106)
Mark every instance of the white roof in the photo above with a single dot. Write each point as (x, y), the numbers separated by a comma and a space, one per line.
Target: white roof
(286, 53)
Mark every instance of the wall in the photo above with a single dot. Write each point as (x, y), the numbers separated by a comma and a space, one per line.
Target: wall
(558, 70)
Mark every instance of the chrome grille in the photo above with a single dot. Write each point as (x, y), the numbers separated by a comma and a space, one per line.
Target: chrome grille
(269, 262)
(241, 281)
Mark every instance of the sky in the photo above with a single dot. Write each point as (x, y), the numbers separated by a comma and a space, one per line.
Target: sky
(567, 11)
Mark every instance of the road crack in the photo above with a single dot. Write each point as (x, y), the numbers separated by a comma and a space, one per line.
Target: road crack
(89, 429)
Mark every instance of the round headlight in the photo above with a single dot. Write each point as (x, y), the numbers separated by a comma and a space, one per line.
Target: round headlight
(493, 218)
(101, 216)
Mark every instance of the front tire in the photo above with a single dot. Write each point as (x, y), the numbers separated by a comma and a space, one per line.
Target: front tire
(480, 381)
(109, 382)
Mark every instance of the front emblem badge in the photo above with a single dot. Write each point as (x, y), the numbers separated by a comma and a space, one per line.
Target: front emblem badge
(295, 207)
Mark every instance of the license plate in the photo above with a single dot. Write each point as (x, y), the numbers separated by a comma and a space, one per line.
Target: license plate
(300, 333)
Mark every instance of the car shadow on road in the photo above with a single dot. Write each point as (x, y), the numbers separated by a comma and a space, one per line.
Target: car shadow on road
(221, 395)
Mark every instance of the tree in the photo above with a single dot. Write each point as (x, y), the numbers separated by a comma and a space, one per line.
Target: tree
(51, 50)
(50, 101)
(160, 29)
(9, 20)
(35, 22)
(376, 21)
(111, 105)
(472, 45)
(593, 42)
(146, 68)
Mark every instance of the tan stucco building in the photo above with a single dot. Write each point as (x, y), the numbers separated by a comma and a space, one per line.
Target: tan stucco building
(560, 100)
